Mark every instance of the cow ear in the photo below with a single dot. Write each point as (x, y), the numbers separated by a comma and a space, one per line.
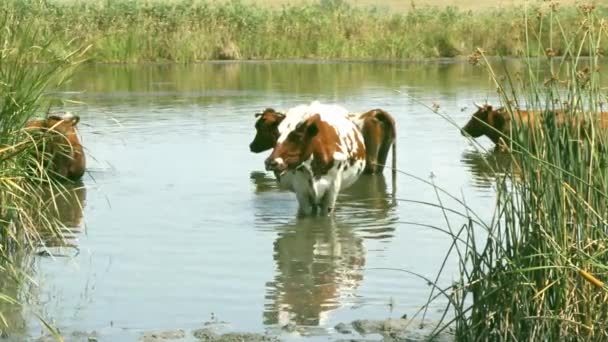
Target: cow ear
(75, 120)
(257, 115)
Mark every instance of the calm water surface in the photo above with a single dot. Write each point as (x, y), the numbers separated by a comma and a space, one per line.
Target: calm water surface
(181, 224)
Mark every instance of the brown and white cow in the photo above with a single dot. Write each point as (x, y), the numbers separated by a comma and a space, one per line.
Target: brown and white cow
(323, 155)
(377, 127)
(62, 144)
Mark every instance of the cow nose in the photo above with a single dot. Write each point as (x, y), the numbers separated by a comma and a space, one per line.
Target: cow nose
(270, 164)
(274, 164)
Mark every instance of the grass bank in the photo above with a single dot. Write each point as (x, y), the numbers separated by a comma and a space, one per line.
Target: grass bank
(27, 194)
(537, 270)
(199, 30)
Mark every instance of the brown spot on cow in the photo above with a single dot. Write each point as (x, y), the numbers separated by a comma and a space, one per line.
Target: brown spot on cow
(62, 145)
(267, 130)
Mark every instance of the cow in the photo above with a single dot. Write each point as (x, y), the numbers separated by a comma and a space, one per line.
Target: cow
(496, 123)
(379, 134)
(271, 123)
(321, 156)
(377, 127)
(62, 145)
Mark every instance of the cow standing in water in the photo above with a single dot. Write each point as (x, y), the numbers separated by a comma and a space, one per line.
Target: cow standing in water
(379, 133)
(67, 159)
(321, 156)
(377, 127)
(496, 124)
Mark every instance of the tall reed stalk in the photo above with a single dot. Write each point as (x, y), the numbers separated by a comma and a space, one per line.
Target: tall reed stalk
(536, 270)
(24, 202)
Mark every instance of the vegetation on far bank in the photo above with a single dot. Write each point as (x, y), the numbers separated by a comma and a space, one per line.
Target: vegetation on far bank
(197, 30)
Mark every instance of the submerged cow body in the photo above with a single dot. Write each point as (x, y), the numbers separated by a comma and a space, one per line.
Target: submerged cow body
(321, 156)
(62, 145)
(496, 124)
(377, 127)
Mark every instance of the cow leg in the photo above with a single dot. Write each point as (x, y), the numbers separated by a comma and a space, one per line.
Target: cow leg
(372, 135)
(305, 206)
(328, 203)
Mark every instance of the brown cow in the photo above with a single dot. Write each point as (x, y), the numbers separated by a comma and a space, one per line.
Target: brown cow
(377, 127)
(496, 123)
(379, 132)
(67, 158)
(266, 130)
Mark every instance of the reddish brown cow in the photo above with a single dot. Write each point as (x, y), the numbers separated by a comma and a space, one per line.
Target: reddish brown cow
(496, 123)
(266, 130)
(380, 133)
(377, 126)
(67, 158)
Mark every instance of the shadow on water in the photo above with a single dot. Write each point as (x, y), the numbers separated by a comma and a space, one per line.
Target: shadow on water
(318, 267)
(486, 166)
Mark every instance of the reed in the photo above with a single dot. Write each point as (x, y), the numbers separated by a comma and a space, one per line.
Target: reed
(184, 31)
(25, 219)
(536, 270)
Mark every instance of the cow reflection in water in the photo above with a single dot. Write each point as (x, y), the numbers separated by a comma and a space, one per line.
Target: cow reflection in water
(318, 263)
(65, 208)
(485, 167)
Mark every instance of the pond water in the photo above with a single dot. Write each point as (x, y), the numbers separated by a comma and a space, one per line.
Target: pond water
(181, 225)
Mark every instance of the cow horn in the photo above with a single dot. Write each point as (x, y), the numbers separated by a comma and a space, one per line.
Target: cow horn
(478, 105)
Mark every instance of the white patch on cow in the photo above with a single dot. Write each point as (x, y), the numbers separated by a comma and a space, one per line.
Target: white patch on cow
(297, 114)
(339, 156)
(357, 119)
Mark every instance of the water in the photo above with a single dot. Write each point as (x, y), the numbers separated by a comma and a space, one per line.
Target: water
(182, 225)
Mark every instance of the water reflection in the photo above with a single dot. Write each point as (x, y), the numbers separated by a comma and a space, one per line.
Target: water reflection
(65, 208)
(318, 266)
(486, 166)
(263, 182)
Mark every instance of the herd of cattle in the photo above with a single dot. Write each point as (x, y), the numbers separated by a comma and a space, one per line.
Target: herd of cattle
(317, 149)
(321, 149)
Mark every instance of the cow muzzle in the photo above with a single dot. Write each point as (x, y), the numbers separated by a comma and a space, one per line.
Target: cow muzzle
(275, 164)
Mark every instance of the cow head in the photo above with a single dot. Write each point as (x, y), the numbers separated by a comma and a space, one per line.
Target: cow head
(62, 142)
(486, 121)
(267, 130)
(296, 148)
